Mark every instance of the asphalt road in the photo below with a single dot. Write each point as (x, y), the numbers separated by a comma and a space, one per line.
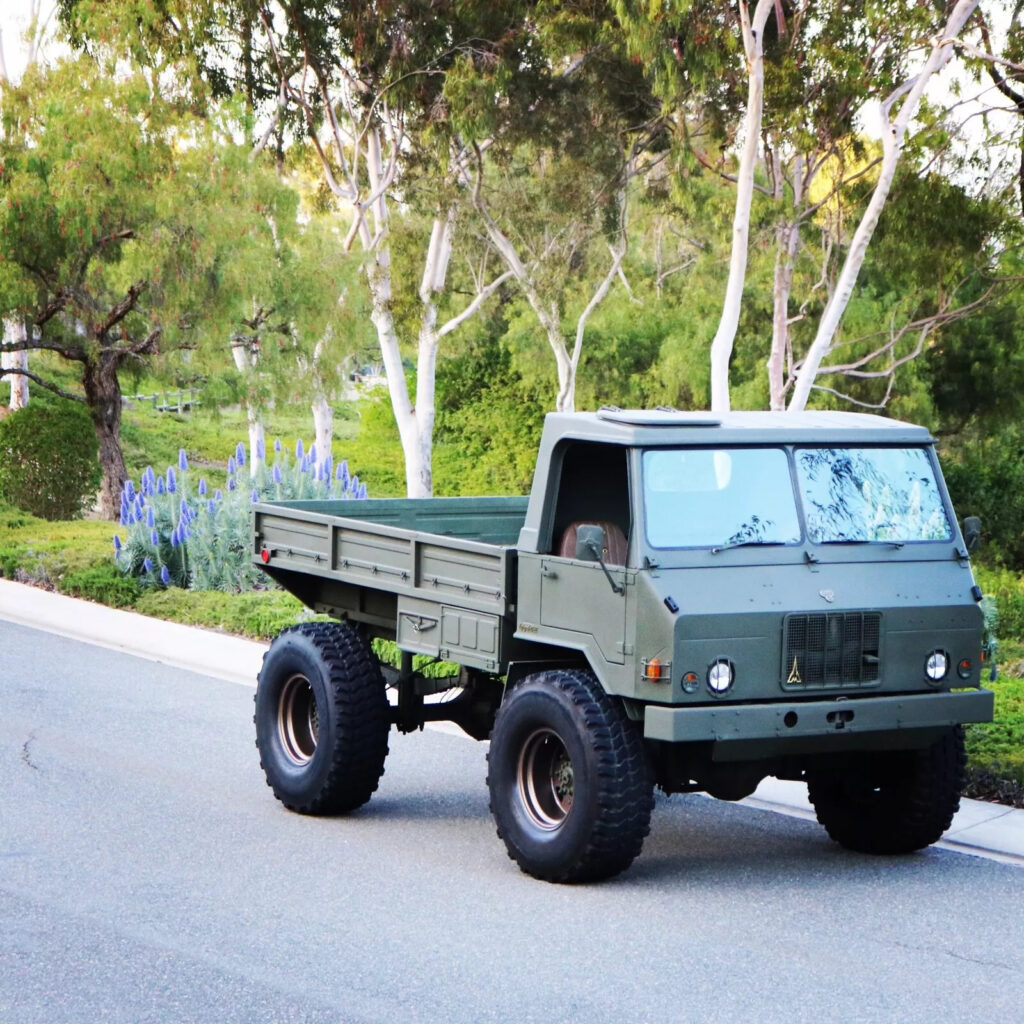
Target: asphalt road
(147, 874)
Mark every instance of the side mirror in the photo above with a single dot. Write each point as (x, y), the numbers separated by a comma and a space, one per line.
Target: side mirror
(589, 543)
(972, 533)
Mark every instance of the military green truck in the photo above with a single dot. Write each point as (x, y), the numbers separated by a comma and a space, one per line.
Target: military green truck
(688, 601)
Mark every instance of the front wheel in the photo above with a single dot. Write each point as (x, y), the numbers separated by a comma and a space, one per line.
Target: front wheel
(570, 788)
(891, 801)
(322, 718)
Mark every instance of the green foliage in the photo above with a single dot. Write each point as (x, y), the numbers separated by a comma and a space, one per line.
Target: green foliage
(430, 668)
(48, 553)
(1007, 588)
(975, 370)
(986, 479)
(105, 584)
(998, 747)
(48, 459)
(260, 615)
(376, 449)
(488, 424)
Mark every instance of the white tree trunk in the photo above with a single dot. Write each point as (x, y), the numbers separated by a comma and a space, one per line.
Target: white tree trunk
(257, 442)
(787, 240)
(418, 479)
(418, 483)
(15, 333)
(15, 330)
(894, 135)
(323, 430)
(246, 359)
(725, 335)
(323, 412)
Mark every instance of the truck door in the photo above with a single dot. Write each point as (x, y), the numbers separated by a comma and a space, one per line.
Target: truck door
(578, 598)
(576, 594)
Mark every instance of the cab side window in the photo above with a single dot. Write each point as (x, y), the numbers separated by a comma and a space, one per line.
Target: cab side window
(593, 489)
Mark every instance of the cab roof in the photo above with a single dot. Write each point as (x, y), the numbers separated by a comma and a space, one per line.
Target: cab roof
(656, 427)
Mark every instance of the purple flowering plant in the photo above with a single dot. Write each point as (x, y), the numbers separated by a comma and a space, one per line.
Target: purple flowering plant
(175, 534)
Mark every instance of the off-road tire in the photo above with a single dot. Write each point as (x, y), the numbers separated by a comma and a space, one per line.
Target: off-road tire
(570, 787)
(891, 802)
(322, 718)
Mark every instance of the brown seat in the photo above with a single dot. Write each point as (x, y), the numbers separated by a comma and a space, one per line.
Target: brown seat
(614, 552)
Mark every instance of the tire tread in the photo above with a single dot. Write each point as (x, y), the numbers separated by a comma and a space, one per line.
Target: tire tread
(625, 795)
(360, 719)
(918, 809)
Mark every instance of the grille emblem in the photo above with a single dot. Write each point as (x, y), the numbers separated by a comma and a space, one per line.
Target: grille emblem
(829, 595)
(825, 649)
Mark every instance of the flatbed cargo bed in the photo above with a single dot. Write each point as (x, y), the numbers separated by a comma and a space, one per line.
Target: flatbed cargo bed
(437, 572)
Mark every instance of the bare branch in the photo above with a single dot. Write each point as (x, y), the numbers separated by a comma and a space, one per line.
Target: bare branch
(855, 401)
(725, 176)
(122, 309)
(48, 385)
(481, 297)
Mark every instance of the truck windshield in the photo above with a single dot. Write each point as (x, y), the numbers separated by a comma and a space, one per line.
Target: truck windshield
(859, 495)
(718, 497)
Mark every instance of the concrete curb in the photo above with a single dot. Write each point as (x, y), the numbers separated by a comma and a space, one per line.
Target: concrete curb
(188, 647)
(981, 829)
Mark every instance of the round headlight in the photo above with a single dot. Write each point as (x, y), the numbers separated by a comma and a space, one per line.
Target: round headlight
(720, 676)
(937, 665)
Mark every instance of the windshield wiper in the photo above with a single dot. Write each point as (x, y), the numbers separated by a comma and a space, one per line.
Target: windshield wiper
(748, 544)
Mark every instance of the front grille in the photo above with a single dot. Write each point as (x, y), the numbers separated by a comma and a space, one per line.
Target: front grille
(831, 650)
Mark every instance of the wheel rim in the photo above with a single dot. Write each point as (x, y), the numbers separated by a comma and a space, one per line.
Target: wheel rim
(545, 779)
(297, 720)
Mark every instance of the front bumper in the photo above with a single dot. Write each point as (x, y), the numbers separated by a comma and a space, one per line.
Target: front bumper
(816, 718)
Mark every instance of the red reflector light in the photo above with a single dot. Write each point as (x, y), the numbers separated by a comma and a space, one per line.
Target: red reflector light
(265, 554)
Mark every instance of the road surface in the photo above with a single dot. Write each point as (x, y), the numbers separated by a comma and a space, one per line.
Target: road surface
(147, 874)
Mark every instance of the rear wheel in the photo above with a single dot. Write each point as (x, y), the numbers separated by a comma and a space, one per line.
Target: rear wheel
(322, 718)
(891, 801)
(570, 788)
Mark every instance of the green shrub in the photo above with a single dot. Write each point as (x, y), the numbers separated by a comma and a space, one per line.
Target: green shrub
(986, 479)
(998, 747)
(1007, 588)
(48, 463)
(258, 614)
(430, 668)
(105, 584)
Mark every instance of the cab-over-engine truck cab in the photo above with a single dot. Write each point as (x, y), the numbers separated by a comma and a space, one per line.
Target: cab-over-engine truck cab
(698, 602)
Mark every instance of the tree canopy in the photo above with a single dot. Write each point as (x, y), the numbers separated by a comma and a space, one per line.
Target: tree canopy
(473, 189)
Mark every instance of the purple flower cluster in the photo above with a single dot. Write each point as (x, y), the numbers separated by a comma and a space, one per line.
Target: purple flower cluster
(178, 535)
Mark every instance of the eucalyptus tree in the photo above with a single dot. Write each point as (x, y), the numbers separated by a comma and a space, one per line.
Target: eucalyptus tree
(550, 171)
(897, 109)
(366, 83)
(807, 71)
(290, 301)
(287, 283)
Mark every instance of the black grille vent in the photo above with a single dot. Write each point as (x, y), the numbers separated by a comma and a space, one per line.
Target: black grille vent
(826, 650)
